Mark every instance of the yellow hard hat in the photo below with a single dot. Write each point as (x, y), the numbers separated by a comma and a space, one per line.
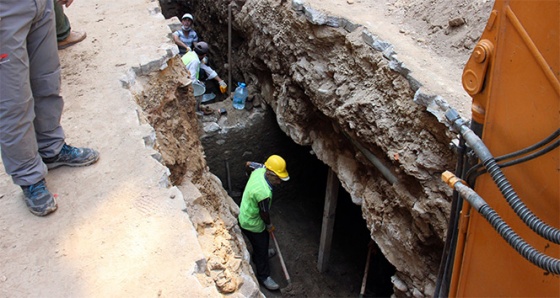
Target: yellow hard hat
(277, 164)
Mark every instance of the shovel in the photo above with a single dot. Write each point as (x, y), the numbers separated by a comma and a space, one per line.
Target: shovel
(286, 274)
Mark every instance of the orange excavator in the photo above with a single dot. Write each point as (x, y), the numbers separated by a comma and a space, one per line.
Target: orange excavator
(504, 230)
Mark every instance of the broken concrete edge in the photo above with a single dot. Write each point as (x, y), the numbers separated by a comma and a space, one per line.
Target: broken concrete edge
(148, 65)
(182, 196)
(317, 17)
(199, 214)
(165, 52)
(435, 104)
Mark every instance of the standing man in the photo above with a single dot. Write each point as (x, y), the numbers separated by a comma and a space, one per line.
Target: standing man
(254, 216)
(185, 37)
(31, 137)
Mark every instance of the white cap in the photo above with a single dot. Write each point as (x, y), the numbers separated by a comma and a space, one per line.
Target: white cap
(189, 16)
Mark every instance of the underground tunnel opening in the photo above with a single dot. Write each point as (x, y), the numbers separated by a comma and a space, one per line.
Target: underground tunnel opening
(297, 213)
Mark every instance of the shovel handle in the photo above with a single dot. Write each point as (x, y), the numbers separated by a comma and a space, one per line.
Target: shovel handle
(281, 258)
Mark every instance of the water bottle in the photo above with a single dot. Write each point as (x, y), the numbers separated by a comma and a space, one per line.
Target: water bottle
(239, 96)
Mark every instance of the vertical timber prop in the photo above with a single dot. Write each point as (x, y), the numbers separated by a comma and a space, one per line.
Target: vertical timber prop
(329, 213)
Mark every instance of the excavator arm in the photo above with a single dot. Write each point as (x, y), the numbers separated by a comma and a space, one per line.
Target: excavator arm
(504, 228)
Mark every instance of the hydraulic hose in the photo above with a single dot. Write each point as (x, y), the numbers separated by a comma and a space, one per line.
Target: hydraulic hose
(446, 264)
(531, 155)
(532, 221)
(531, 152)
(508, 234)
(533, 147)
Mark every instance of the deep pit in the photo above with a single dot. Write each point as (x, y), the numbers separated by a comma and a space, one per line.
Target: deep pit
(334, 91)
(297, 211)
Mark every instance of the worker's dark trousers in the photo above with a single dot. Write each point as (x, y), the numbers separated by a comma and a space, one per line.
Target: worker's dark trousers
(260, 242)
(62, 23)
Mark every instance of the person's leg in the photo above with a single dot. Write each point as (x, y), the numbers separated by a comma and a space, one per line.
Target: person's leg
(63, 28)
(260, 242)
(26, 29)
(261, 255)
(64, 34)
(44, 73)
(17, 134)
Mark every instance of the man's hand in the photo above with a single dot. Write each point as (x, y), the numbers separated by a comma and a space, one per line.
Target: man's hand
(223, 87)
(270, 228)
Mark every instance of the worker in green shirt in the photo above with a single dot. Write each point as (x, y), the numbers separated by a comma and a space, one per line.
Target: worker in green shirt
(254, 216)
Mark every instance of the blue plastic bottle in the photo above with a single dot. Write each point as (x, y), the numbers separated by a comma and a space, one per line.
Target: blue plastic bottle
(239, 96)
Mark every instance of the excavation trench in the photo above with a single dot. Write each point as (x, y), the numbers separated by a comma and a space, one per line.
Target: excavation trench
(327, 86)
(298, 209)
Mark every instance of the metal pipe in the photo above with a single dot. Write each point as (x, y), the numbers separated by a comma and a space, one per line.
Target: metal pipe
(228, 177)
(375, 161)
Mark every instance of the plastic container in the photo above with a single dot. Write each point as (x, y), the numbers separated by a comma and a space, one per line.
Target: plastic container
(239, 96)
(198, 88)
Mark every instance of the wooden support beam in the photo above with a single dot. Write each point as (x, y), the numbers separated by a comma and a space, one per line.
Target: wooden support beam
(329, 212)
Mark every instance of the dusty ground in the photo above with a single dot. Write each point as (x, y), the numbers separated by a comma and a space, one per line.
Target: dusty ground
(119, 230)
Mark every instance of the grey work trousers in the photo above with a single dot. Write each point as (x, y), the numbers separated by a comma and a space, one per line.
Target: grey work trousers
(30, 101)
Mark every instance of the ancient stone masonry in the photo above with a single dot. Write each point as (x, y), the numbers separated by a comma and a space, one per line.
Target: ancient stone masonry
(334, 85)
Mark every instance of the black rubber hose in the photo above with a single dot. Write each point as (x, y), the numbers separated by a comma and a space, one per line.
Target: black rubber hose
(523, 248)
(532, 221)
(533, 147)
(547, 140)
(446, 264)
(530, 156)
(475, 171)
(515, 241)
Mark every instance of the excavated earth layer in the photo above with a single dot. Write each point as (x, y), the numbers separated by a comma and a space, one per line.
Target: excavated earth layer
(337, 87)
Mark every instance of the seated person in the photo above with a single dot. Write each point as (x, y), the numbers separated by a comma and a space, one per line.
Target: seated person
(192, 60)
(186, 36)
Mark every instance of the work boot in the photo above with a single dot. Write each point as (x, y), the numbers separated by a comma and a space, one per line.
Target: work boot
(73, 38)
(270, 284)
(72, 157)
(38, 198)
(271, 252)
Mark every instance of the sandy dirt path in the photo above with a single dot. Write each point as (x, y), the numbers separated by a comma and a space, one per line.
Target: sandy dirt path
(117, 232)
